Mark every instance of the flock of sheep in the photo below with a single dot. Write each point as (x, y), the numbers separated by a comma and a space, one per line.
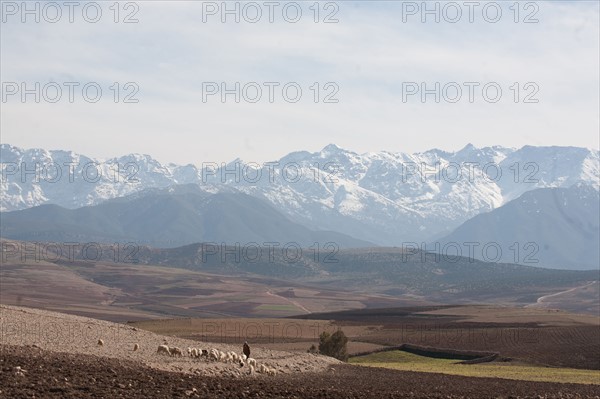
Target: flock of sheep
(213, 354)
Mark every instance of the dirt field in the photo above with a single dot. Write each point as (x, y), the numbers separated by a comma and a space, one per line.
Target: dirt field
(122, 292)
(64, 333)
(60, 375)
(543, 337)
(127, 291)
(53, 355)
(576, 346)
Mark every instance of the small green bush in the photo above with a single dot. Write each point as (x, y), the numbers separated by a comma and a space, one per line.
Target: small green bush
(334, 345)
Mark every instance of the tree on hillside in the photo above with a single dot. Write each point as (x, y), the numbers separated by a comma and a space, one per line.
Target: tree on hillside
(334, 345)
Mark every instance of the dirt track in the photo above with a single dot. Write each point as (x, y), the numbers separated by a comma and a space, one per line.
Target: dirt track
(62, 375)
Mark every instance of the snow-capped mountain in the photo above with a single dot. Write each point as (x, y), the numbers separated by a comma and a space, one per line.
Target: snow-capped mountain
(382, 197)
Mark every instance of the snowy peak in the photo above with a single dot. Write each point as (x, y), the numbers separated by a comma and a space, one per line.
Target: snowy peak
(382, 197)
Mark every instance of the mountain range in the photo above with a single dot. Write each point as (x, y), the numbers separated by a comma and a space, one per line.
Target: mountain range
(380, 198)
(550, 227)
(166, 218)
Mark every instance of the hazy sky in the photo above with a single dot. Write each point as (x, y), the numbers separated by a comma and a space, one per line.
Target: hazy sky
(374, 58)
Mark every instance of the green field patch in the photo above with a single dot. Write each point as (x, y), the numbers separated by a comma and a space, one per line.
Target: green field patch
(405, 361)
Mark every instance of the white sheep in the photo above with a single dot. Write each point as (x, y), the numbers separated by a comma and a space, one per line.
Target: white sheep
(220, 355)
(175, 351)
(100, 342)
(251, 370)
(264, 369)
(214, 354)
(193, 352)
(163, 349)
(251, 361)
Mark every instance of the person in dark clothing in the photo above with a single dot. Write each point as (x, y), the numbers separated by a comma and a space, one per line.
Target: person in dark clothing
(246, 350)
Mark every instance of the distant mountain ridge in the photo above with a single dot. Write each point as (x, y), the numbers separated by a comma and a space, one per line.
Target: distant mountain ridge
(168, 218)
(380, 197)
(381, 270)
(548, 227)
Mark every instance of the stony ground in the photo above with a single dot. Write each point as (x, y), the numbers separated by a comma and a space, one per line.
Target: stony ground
(59, 332)
(27, 372)
(53, 355)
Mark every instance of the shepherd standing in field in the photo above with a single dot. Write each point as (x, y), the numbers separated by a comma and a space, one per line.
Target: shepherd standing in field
(246, 350)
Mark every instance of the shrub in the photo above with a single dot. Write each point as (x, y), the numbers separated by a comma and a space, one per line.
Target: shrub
(334, 345)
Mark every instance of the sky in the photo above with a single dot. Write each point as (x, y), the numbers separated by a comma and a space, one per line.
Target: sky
(368, 74)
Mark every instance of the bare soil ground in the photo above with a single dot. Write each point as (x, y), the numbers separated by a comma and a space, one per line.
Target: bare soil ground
(533, 336)
(52, 355)
(127, 291)
(60, 375)
(512, 314)
(58, 332)
(121, 292)
(575, 346)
